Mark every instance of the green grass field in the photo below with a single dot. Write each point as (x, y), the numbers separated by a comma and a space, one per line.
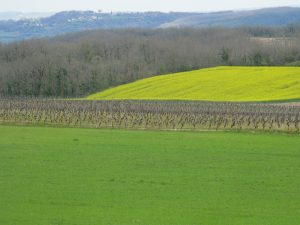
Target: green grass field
(58, 176)
(214, 84)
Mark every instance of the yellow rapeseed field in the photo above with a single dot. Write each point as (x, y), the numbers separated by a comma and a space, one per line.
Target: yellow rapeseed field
(213, 84)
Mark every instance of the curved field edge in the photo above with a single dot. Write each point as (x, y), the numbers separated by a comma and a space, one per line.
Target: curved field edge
(233, 84)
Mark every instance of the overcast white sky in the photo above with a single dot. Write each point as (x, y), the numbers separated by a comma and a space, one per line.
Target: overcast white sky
(139, 5)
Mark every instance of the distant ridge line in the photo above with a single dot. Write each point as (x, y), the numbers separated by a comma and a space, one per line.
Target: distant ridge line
(75, 21)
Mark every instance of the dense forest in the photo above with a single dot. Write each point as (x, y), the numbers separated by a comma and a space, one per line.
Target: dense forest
(78, 64)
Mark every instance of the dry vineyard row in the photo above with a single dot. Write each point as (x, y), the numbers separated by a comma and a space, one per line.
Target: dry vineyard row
(151, 114)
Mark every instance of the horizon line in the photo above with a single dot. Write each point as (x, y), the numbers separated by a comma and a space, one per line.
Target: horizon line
(145, 11)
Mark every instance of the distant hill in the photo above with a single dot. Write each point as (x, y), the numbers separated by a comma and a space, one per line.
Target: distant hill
(73, 21)
(262, 17)
(213, 84)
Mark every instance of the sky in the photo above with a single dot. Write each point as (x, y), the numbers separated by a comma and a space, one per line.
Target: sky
(139, 5)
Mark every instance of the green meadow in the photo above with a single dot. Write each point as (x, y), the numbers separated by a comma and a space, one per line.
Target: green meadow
(61, 176)
(246, 84)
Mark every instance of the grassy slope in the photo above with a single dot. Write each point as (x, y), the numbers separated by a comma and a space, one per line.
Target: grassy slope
(83, 177)
(214, 84)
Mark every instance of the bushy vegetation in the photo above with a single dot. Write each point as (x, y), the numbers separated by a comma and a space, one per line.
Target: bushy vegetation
(84, 63)
(214, 84)
(87, 176)
(151, 115)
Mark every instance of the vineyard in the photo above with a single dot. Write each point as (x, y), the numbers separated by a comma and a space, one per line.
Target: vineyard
(164, 115)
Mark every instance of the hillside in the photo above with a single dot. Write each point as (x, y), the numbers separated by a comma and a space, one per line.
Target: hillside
(261, 17)
(214, 84)
(74, 21)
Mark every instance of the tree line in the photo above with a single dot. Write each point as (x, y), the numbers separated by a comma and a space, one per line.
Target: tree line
(78, 64)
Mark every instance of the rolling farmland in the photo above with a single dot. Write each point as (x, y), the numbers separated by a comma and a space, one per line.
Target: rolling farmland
(237, 98)
(64, 176)
(235, 84)
(133, 172)
(166, 121)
